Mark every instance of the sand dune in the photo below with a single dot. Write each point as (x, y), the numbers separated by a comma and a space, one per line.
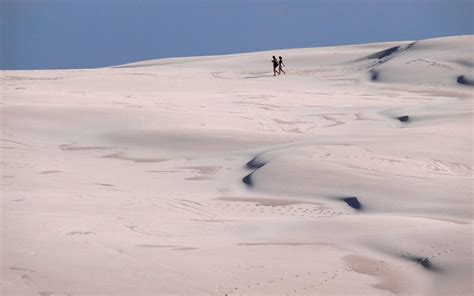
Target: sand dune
(349, 175)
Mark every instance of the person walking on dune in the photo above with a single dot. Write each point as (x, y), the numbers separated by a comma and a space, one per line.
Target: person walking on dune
(280, 66)
(275, 66)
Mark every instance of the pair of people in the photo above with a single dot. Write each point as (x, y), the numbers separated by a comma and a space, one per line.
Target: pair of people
(278, 64)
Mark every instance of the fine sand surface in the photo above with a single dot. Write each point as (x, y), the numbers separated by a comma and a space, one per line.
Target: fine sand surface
(349, 175)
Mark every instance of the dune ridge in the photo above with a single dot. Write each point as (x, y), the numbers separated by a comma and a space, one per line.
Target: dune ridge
(350, 175)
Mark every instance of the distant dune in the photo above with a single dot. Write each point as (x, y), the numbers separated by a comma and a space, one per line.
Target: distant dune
(349, 175)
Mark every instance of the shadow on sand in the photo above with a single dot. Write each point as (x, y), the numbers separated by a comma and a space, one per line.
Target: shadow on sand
(353, 202)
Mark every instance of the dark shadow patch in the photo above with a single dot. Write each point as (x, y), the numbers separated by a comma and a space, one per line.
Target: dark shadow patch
(384, 53)
(374, 75)
(353, 202)
(424, 262)
(255, 163)
(248, 180)
(404, 118)
(464, 81)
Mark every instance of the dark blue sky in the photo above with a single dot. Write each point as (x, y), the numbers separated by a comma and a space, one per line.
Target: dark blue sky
(52, 34)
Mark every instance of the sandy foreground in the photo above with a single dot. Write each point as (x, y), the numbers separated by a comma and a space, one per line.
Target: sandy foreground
(349, 175)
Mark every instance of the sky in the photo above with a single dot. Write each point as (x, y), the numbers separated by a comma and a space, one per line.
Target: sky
(65, 34)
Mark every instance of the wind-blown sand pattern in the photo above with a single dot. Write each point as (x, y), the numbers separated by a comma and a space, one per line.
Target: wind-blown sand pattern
(349, 175)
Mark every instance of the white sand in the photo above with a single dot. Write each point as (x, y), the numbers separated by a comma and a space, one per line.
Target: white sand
(132, 180)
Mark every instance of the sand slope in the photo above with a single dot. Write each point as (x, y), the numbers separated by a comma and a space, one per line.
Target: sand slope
(349, 175)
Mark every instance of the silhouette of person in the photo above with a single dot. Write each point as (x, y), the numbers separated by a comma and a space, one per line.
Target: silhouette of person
(275, 66)
(280, 66)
